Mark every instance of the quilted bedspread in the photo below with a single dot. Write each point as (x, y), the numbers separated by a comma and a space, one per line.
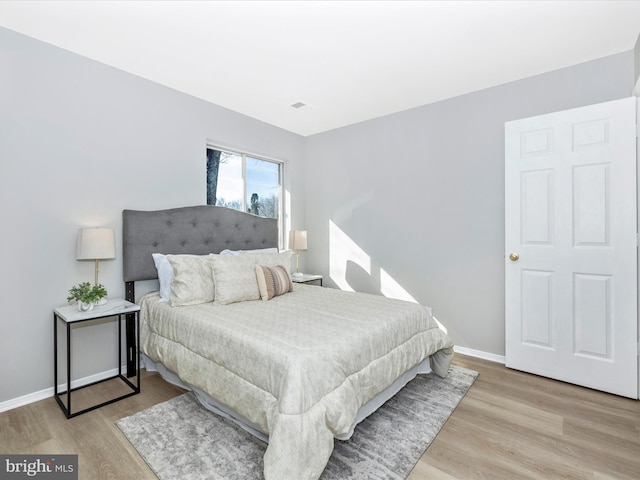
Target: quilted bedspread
(298, 366)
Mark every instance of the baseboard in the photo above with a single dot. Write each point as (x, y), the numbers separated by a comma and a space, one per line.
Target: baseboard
(492, 357)
(48, 392)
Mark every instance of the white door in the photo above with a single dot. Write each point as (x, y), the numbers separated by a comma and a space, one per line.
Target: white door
(571, 243)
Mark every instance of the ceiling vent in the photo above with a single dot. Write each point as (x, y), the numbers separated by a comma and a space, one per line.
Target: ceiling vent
(298, 105)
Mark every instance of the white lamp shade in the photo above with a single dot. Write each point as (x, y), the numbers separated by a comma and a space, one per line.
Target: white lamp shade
(96, 244)
(298, 239)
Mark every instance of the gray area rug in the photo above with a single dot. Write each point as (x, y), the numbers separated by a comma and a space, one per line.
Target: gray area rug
(179, 439)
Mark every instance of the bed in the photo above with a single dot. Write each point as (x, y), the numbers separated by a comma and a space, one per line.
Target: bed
(297, 370)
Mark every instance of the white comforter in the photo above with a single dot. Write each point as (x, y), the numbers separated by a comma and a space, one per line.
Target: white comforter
(298, 366)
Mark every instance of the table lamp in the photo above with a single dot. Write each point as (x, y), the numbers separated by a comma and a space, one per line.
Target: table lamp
(96, 244)
(297, 242)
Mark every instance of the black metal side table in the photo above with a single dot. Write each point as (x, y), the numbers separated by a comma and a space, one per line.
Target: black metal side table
(69, 315)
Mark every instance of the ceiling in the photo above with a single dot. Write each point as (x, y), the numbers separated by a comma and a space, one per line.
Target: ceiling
(347, 61)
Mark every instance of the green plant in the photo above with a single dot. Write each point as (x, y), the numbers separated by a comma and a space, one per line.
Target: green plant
(87, 293)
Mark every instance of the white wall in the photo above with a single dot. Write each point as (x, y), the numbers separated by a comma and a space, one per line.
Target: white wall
(80, 142)
(412, 204)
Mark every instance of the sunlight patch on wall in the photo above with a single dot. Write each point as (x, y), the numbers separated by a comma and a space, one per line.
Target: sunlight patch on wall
(392, 289)
(286, 219)
(342, 250)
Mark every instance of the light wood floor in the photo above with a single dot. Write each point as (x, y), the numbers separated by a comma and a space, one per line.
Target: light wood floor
(510, 426)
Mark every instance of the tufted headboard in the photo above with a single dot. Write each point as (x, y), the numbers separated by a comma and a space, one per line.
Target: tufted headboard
(198, 230)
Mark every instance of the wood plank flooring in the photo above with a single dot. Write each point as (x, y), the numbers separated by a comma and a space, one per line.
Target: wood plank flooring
(510, 425)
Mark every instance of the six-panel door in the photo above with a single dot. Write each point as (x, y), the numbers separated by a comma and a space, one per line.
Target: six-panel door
(570, 260)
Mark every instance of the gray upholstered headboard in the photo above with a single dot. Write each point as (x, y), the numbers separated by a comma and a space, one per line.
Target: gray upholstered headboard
(198, 230)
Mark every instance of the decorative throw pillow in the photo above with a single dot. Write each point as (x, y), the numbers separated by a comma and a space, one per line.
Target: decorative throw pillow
(192, 280)
(235, 278)
(273, 281)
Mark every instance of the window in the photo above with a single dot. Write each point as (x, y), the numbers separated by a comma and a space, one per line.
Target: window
(244, 182)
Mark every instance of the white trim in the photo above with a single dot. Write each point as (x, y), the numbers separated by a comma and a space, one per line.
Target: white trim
(26, 399)
(241, 151)
(492, 357)
(48, 392)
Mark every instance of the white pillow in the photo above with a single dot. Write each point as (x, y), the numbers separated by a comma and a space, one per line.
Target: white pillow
(260, 250)
(272, 259)
(165, 274)
(257, 250)
(230, 252)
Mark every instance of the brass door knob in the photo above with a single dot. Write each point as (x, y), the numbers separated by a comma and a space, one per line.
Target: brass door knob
(514, 257)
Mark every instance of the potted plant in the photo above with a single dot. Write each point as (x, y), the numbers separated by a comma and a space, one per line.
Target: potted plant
(86, 295)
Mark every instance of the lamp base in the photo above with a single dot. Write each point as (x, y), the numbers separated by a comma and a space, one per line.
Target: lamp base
(297, 275)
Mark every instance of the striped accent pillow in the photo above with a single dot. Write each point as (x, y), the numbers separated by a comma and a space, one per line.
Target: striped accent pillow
(273, 281)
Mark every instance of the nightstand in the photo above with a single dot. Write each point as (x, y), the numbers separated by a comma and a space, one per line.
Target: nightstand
(69, 315)
(308, 278)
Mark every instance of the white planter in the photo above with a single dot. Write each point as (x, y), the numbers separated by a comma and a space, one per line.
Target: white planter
(85, 307)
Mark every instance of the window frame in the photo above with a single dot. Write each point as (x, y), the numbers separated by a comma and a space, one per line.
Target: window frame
(280, 163)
